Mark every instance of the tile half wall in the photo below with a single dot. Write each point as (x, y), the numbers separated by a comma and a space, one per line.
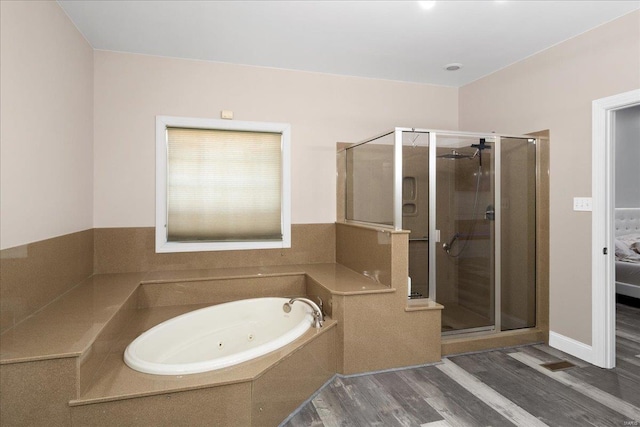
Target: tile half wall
(33, 275)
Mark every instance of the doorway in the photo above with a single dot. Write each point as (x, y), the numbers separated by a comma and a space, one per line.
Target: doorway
(603, 218)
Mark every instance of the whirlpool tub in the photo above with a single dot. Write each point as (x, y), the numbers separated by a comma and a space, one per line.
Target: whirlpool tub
(217, 337)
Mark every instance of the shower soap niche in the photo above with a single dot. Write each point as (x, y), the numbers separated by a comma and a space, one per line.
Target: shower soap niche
(409, 188)
(409, 209)
(409, 196)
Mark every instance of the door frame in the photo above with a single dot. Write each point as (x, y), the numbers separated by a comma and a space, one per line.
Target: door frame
(603, 315)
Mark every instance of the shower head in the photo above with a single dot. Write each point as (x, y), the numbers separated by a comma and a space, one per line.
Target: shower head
(479, 148)
(454, 155)
(482, 145)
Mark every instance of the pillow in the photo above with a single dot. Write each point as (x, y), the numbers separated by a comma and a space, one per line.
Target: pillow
(623, 250)
(629, 239)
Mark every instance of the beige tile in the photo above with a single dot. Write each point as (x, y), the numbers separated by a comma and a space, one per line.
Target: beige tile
(91, 359)
(115, 380)
(281, 389)
(379, 334)
(341, 280)
(337, 308)
(419, 267)
(317, 292)
(365, 250)
(400, 264)
(281, 381)
(220, 291)
(33, 275)
(133, 249)
(171, 276)
(218, 406)
(382, 330)
(68, 326)
(486, 342)
(37, 393)
(415, 172)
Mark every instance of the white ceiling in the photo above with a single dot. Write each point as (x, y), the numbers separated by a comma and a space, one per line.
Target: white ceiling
(395, 40)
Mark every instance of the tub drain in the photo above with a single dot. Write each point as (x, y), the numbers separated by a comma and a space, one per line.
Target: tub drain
(250, 337)
(220, 345)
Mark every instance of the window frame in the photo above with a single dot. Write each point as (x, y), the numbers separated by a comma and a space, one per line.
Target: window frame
(162, 244)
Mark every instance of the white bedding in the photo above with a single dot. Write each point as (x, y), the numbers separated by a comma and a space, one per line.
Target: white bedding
(628, 248)
(627, 252)
(627, 272)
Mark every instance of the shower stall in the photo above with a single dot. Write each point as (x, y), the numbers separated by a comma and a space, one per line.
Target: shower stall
(469, 203)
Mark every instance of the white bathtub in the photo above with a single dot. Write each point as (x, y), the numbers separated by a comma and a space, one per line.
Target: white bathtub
(218, 336)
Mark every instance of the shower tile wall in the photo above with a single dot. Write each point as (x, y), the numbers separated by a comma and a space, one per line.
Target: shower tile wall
(475, 281)
(518, 266)
(415, 215)
(446, 271)
(464, 283)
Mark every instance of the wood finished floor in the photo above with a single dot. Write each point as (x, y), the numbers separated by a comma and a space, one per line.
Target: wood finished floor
(497, 388)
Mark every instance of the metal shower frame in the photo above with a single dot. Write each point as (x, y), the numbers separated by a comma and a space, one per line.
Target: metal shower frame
(434, 233)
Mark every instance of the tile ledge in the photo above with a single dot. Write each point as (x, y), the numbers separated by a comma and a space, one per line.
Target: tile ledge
(371, 226)
(422, 304)
(25, 359)
(84, 311)
(71, 323)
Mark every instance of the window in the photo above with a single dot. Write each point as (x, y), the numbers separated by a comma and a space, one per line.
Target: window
(222, 185)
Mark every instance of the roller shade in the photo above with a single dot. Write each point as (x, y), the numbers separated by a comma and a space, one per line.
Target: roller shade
(223, 185)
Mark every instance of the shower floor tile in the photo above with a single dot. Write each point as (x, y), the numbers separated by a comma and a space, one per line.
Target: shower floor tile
(456, 317)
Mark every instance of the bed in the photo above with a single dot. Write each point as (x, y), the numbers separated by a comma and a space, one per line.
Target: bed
(627, 251)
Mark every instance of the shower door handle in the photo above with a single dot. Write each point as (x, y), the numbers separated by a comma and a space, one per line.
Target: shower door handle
(490, 213)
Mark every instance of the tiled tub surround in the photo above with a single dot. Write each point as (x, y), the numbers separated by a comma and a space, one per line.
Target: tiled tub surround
(255, 386)
(64, 365)
(33, 275)
(121, 250)
(43, 357)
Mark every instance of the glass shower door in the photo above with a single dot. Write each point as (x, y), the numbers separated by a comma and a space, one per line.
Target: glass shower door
(370, 180)
(415, 208)
(518, 233)
(465, 214)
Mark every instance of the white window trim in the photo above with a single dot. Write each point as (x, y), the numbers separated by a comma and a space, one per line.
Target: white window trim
(162, 122)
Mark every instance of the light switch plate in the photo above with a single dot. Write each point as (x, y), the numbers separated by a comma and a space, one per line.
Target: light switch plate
(582, 204)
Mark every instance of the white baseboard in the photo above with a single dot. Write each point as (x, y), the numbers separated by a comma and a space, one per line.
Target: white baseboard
(571, 346)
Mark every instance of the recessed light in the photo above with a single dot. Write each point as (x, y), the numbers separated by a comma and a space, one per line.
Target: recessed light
(426, 5)
(455, 66)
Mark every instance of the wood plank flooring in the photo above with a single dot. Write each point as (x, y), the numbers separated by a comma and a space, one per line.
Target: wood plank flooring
(503, 387)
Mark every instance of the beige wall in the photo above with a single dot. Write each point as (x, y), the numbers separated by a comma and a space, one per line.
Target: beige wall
(554, 90)
(46, 181)
(130, 90)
